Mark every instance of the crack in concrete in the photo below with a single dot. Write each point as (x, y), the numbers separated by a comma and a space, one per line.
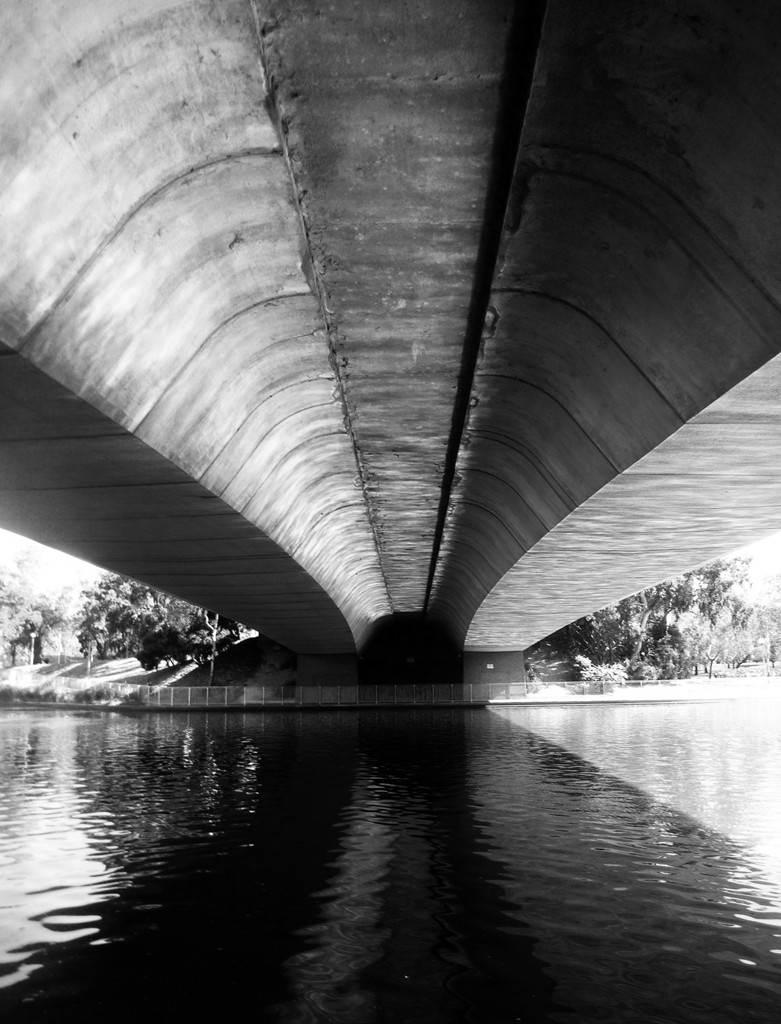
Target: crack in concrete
(309, 267)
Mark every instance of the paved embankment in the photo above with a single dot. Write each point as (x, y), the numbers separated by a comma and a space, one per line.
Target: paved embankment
(664, 691)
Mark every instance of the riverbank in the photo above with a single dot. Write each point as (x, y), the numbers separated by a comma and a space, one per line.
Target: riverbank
(120, 687)
(123, 683)
(661, 691)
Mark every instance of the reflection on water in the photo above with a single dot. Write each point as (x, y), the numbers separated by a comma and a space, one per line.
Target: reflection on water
(718, 762)
(416, 866)
(642, 912)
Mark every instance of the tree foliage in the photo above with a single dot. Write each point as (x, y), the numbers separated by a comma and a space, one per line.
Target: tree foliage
(118, 612)
(32, 623)
(667, 630)
(114, 617)
(121, 617)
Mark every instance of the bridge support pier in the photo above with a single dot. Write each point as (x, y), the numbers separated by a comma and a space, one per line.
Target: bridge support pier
(347, 670)
(494, 667)
(327, 670)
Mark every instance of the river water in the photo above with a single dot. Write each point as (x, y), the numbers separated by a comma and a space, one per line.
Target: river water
(571, 864)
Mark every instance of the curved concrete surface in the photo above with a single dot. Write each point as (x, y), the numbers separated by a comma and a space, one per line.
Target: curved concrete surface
(72, 478)
(422, 300)
(163, 274)
(637, 283)
(714, 482)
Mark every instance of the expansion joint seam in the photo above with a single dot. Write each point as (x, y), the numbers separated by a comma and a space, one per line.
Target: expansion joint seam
(522, 50)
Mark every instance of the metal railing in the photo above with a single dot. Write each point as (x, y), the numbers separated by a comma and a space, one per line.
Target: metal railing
(327, 695)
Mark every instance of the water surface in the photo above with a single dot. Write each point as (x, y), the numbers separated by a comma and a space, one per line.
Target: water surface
(444, 865)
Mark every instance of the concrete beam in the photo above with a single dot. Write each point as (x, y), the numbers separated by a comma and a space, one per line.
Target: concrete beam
(391, 115)
(256, 244)
(154, 264)
(72, 478)
(709, 489)
(637, 284)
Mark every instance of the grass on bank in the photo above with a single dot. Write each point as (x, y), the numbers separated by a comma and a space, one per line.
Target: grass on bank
(253, 660)
(49, 693)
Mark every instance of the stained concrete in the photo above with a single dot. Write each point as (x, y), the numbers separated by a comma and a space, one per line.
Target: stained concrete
(329, 315)
(154, 265)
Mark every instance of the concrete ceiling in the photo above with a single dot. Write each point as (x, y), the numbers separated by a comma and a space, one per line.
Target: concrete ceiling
(317, 312)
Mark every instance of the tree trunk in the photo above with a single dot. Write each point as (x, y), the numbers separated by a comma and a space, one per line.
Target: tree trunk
(647, 610)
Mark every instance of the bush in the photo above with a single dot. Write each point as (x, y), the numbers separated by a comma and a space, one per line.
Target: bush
(644, 670)
(605, 675)
(666, 654)
(164, 644)
(97, 694)
(133, 697)
(46, 693)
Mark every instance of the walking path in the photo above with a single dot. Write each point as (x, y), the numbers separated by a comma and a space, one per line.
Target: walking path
(701, 689)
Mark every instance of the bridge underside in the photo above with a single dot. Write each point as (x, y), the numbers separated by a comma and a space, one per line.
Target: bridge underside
(333, 315)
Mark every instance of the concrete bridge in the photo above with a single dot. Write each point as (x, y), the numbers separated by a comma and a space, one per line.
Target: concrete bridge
(391, 327)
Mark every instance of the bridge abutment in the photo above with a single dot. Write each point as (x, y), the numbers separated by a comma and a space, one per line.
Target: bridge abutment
(394, 661)
(327, 670)
(406, 648)
(494, 667)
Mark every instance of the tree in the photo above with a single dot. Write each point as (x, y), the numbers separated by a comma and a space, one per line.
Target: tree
(604, 637)
(193, 642)
(200, 630)
(763, 629)
(165, 643)
(118, 613)
(31, 620)
(123, 617)
(709, 590)
(39, 621)
(658, 603)
(645, 630)
(720, 585)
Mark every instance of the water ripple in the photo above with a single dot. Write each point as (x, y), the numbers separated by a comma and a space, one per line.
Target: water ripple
(361, 868)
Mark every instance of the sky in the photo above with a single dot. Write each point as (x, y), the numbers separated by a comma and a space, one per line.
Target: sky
(57, 570)
(765, 556)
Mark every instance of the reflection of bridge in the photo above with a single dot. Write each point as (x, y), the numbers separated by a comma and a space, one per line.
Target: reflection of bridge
(321, 316)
